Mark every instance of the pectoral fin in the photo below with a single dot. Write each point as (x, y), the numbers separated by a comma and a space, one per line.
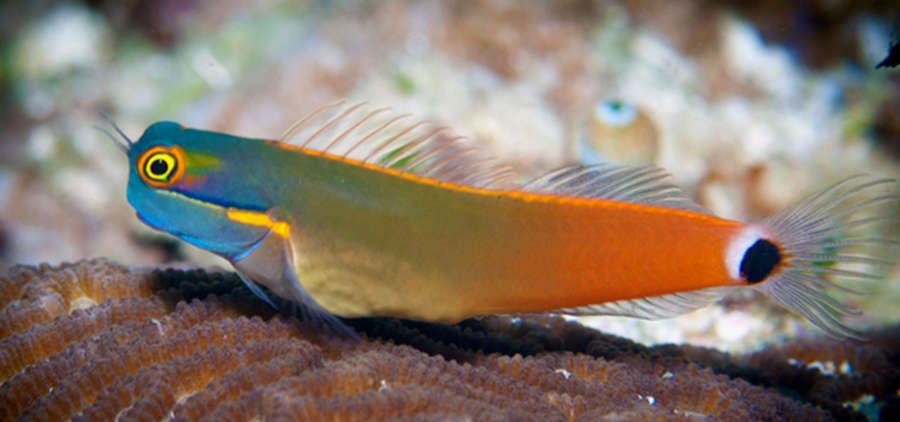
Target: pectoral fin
(270, 263)
(256, 290)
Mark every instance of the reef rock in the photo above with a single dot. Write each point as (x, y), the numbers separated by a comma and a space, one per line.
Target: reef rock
(95, 340)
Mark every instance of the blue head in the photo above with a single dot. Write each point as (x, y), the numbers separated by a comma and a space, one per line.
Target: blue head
(192, 183)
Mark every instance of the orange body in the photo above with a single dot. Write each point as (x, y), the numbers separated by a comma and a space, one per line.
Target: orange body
(595, 251)
(374, 241)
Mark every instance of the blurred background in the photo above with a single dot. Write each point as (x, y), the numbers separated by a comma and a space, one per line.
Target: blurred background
(751, 105)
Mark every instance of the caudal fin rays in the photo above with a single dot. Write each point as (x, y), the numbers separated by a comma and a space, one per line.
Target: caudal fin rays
(815, 236)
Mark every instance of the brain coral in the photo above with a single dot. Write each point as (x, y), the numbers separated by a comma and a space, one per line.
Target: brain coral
(95, 340)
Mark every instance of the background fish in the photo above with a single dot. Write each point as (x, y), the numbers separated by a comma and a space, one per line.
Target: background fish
(618, 132)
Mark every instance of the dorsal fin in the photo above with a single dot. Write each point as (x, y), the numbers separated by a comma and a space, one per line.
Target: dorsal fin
(382, 137)
(655, 307)
(646, 185)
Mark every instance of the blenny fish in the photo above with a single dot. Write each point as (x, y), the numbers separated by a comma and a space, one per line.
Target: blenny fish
(372, 213)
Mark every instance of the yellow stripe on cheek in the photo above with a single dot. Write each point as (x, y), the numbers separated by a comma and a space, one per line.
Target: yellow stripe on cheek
(259, 219)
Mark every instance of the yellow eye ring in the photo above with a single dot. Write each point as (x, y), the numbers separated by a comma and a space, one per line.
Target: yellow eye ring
(161, 167)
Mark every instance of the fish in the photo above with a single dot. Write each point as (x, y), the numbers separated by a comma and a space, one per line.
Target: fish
(359, 211)
(620, 132)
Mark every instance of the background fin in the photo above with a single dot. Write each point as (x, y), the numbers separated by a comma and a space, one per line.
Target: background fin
(648, 185)
(654, 307)
(387, 139)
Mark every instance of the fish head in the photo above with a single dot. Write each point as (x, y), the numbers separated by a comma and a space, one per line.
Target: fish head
(190, 184)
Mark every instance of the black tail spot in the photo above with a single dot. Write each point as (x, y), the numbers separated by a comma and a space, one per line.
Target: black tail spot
(759, 261)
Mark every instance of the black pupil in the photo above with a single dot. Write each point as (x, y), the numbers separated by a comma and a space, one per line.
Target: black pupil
(759, 261)
(159, 167)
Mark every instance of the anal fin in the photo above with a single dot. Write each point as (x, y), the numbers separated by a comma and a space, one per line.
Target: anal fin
(654, 307)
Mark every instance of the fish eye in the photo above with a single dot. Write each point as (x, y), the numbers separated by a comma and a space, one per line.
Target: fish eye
(615, 112)
(161, 167)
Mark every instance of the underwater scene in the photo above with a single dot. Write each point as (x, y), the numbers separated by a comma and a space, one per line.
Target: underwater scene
(439, 210)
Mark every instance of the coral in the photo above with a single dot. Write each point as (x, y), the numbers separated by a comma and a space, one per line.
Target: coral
(831, 374)
(95, 340)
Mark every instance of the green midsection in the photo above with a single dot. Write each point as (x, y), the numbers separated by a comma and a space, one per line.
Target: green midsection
(370, 243)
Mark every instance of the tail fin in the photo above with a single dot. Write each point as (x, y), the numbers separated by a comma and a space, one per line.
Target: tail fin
(817, 238)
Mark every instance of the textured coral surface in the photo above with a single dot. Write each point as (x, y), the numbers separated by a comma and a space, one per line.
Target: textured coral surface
(95, 340)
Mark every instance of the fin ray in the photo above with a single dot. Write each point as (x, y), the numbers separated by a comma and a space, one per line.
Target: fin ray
(378, 136)
(648, 185)
(654, 307)
(256, 290)
(310, 309)
(271, 263)
(815, 236)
